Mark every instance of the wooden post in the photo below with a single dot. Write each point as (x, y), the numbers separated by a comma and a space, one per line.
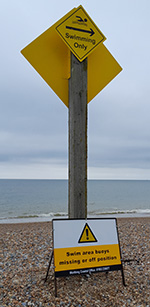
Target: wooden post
(77, 203)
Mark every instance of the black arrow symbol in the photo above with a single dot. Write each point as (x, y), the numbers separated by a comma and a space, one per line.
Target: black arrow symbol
(81, 30)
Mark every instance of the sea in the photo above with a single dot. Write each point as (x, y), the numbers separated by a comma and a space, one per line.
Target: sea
(43, 200)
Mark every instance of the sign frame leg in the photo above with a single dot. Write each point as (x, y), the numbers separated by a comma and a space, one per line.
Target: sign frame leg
(122, 270)
(50, 261)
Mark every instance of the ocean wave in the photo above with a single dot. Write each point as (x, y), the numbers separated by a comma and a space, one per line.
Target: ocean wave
(53, 214)
(41, 215)
(49, 216)
(116, 211)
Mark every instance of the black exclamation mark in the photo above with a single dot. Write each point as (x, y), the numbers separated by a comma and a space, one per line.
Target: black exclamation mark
(87, 234)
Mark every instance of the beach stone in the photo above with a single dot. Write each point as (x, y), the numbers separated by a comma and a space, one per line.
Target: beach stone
(25, 260)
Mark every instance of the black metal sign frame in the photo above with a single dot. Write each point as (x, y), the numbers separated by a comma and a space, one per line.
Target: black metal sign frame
(87, 270)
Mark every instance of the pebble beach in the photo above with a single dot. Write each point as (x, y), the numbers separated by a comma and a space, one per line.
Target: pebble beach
(25, 251)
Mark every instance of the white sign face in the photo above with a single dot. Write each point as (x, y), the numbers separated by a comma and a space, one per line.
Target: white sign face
(82, 246)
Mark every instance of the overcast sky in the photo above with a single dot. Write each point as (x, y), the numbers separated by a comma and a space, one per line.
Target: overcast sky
(34, 121)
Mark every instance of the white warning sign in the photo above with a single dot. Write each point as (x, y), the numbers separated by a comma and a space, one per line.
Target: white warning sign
(84, 246)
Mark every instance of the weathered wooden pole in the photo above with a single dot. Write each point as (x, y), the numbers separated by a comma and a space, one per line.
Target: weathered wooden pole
(77, 203)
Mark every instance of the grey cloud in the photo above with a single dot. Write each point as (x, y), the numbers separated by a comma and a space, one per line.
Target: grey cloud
(33, 120)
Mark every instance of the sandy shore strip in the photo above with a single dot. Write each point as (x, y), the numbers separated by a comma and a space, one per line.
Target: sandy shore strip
(25, 251)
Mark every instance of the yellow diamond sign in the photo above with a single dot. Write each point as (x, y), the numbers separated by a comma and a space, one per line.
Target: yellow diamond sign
(80, 33)
(50, 57)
